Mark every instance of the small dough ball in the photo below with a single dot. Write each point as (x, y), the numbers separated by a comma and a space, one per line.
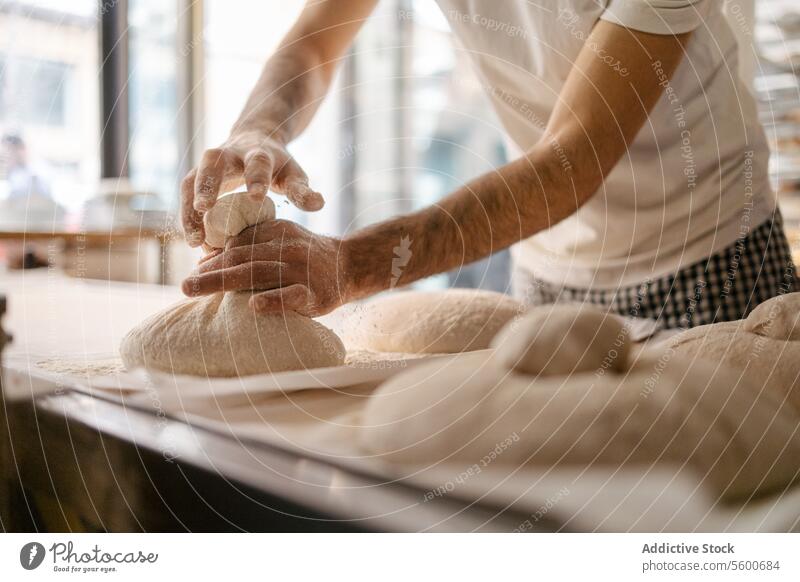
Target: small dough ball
(663, 409)
(562, 339)
(777, 318)
(431, 322)
(233, 213)
(221, 336)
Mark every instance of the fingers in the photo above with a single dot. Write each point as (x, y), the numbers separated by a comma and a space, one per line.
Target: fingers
(271, 251)
(268, 231)
(292, 298)
(292, 182)
(210, 255)
(258, 166)
(191, 219)
(248, 276)
(210, 175)
(302, 196)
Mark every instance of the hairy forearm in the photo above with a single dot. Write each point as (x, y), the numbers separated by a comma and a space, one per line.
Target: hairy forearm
(486, 215)
(286, 96)
(598, 113)
(297, 77)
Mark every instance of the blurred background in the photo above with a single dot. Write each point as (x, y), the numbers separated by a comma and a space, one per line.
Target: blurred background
(105, 105)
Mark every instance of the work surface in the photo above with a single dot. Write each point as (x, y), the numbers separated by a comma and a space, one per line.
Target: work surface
(293, 448)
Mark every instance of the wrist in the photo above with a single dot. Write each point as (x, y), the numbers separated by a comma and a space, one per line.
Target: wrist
(257, 135)
(355, 275)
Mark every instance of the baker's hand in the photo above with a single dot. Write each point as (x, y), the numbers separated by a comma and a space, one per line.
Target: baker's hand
(293, 268)
(251, 158)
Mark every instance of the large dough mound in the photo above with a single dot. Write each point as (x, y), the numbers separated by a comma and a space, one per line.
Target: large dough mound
(765, 347)
(233, 213)
(221, 336)
(430, 322)
(662, 408)
(562, 339)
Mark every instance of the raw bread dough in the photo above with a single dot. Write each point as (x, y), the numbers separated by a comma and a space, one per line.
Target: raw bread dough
(778, 318)
(562, 339)
(765, 347)
(739, 439)
(221, 336)
(233, 213)
(452, 321)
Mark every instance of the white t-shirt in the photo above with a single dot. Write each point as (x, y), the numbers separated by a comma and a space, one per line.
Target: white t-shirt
(694, 178)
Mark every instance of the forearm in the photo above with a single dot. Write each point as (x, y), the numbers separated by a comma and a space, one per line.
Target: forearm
(286, 96)
(598, 113)
(483, 217)
(297, 77)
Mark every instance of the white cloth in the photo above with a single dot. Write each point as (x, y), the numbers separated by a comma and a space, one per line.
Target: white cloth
(695, 177)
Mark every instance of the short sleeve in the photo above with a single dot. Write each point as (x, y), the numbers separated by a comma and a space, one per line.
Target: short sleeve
(657, 16)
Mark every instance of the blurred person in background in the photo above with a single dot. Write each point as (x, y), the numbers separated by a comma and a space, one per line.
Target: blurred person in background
(23, 180)
(28, 205)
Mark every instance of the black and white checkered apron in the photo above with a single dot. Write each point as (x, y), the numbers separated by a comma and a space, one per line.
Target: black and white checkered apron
(723, 287)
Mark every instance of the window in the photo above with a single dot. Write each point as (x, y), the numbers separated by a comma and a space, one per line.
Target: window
(153, 98)
(34, 92)
(239, 36)
(423, 125)
(49, 104)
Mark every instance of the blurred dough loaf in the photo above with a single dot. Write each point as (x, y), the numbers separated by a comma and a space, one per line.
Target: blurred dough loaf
(661, 408)
(561, 339)
(452, 321)
(764, 347)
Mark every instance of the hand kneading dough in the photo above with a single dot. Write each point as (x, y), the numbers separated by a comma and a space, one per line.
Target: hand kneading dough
(765, 347)
(431, 322)
(233, 213)
(562, 339)
(221, 336)
(663, 408)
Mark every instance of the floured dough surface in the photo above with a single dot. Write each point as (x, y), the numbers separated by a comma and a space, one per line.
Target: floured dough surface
(233, 213)
(85, 368)
(430, 322)
(764, 347)
(221, 336)
(663, 408)
(561, 339)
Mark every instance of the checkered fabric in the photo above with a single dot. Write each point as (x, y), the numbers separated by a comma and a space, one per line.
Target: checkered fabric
(724, 287)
